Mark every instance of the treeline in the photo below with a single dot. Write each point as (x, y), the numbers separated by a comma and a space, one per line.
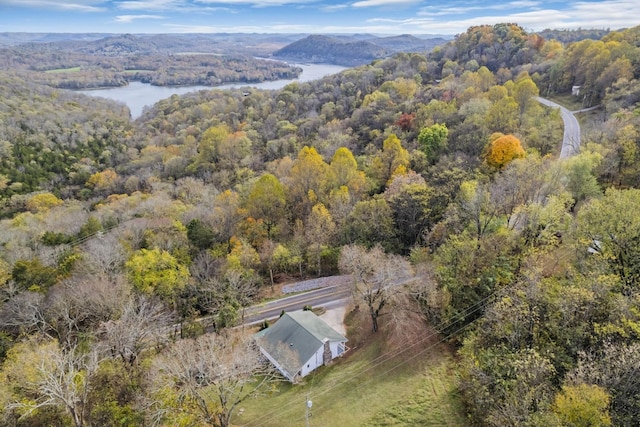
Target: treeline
(71, 70)
(528, 264)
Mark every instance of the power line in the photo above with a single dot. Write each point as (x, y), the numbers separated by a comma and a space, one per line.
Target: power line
(482, 304)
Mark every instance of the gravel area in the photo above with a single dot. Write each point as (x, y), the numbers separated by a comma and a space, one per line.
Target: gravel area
(335, 318)
(320, 282)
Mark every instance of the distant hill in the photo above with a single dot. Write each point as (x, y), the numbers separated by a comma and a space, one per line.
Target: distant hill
(352, 51)
(408, 43)
(318, 48)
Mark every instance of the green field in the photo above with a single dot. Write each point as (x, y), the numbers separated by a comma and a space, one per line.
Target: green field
(64, 70)
(371, 386)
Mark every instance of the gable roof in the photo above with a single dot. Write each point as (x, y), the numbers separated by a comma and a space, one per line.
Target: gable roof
(295, 337)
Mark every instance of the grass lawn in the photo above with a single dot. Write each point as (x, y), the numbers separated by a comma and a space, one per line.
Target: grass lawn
(372, 385)
(63, 70)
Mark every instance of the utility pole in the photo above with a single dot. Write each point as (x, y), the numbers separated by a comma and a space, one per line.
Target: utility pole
(307, 414)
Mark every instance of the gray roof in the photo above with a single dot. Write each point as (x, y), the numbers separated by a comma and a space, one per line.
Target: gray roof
(295, 337)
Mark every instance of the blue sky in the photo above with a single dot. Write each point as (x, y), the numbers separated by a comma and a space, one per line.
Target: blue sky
(309, 16)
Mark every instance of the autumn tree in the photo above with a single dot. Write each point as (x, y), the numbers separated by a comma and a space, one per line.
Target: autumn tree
(307, 181)
(502, 149)
(392, 157)
(320, 230)
(156, 272)
(203, 380)
(376, 277)
(609, 231)
(345, 171)
(524, 92)
(583, 405)
(41, 375)
(267, 201)
(370, 223)
(42, 202)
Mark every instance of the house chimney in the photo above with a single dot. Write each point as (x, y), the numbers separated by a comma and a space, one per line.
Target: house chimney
(326, 355)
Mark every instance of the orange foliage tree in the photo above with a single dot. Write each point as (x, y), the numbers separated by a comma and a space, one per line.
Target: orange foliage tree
(502, 149)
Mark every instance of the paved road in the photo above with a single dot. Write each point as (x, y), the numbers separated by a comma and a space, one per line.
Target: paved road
(571, 138)
(329, 297)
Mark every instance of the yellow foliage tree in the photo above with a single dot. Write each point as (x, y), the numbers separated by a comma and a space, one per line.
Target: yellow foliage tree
(584, 405)
(42, 202)
(101, 181)
(502, 149)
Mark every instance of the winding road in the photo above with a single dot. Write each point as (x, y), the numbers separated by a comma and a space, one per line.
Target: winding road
(336, 296)
(571, 137)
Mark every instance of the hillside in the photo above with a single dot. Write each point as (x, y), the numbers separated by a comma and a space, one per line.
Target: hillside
(433, 180)
(352, 50)
(407, 43)
(324, 49)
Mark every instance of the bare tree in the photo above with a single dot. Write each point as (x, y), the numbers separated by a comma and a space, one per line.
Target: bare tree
(143, 324)
(24, 314)
(205, 267)
(105, 255)
(62, 379)
(79, 304)
(376, 276)
(212, 374)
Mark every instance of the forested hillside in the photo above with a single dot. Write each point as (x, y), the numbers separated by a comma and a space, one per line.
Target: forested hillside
(160, 60)
(114, 232)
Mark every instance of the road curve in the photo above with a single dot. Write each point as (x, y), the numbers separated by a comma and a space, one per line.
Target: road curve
(571, 138)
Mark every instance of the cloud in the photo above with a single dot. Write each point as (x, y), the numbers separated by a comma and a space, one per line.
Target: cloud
(127, 19)
(151, 4)
(71, 5)
(534, 16)
(333, 7)
(257, 3)
(462, 10)
(382, 3)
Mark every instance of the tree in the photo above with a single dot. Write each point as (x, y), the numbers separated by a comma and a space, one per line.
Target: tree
(345, 171)
(307, 181)
(33, 275)
(504, 115)
(433, 140)
(42, 202)
(410, 203)
(609, 231)
(370, 223)
(376, 277)
(583, 405)
(614, 368)
(42, 375)
(320, 230)
(156, 272)
(267, 201)
(524, 91)
(103, 182)
(502, 149)
(225, 216)
(207, 378)
(142, 325)
(392, 157)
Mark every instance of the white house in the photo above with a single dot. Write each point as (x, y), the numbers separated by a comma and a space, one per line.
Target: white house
(300, 342)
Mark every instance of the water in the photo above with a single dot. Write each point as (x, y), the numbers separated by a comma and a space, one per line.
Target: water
(138, 95)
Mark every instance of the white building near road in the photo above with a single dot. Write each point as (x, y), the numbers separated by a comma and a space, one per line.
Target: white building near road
(300, 342)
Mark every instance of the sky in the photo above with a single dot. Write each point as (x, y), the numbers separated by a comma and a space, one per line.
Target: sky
(310, 16)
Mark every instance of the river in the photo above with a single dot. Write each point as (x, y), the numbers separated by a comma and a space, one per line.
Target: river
(138, 95)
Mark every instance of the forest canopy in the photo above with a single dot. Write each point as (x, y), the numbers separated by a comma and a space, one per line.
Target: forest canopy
(445, 165)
